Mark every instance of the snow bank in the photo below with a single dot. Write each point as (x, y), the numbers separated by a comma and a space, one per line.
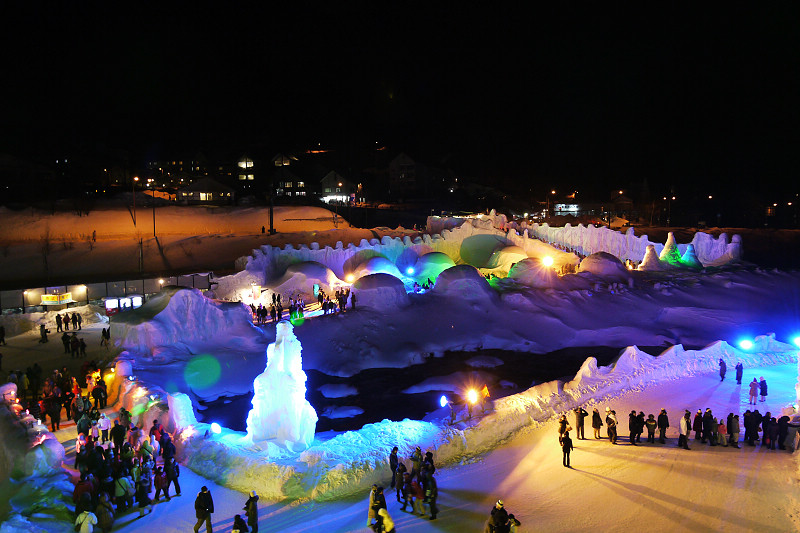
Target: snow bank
(37, 490)
(381, 292)
(179, 315)
(532, 273)
(604, 265)
(464, 282)
(299, 279)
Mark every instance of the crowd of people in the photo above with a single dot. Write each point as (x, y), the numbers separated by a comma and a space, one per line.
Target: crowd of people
(416, 488)
(771, 431)
(296, 308)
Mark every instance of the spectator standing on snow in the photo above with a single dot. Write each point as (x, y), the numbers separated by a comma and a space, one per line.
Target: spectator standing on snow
(651, 426)
(85, 522)
(580, 416)
(58, 323)
(632, 427)
(684, 428)
(74, 321)
(722, 369)
(431, 493)
(372, 505)
(2, 335)
(104, 513)
(611, 423)
(739, 372)
(597, 422)
(566, 447)
(663, 424)
(251, 511)
(498, 518)
(708, 419)
(762, 389)
(697, 425)
(722, 433)
(562, 427)
(400, 476)
(172, 471)
(393, 460)
(203, 508)
(753, 391)
(416, 462)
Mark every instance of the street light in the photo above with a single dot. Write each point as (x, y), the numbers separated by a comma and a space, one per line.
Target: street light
(133, 192)
(669, 207)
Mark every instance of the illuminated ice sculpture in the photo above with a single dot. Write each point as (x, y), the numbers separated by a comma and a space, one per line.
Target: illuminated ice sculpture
(281, 413)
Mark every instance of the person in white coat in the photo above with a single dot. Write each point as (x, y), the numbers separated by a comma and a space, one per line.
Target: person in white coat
(685, 428)
(85, 522)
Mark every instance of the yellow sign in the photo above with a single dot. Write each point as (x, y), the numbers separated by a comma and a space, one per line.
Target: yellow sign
(56, 299)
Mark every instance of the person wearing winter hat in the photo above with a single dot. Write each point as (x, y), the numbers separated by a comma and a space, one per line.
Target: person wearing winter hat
(251, 511)
(498, 517)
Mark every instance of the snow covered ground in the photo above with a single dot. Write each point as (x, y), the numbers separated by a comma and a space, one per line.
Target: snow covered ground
(510, 453)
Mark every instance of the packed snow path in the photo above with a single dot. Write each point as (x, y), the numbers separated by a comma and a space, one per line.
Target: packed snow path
(660, 486)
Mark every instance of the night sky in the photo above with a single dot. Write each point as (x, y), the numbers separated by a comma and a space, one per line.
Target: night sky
(596, 97)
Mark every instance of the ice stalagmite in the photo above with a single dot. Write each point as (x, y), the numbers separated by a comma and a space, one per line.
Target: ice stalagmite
(280, 412)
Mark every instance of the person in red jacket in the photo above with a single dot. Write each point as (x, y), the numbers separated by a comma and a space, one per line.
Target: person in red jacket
(417, 495)
(160, 482)
(84, 485)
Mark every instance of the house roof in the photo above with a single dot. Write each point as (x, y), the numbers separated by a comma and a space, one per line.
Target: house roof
(206, 185)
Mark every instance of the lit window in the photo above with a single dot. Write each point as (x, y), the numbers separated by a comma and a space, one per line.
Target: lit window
(301, 193)
(327, 189)
(205, 196)
(288, 184)
(245, 163)
(301, 184)
(288, 193)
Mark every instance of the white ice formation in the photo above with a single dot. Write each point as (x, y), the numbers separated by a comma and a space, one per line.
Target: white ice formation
(280, 412)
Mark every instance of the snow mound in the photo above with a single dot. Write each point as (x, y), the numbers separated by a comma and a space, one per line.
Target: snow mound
(671, 254)
(505, 258)
(179, 315)
(650, 262)
(300, 278)
(477, 250)
(430, 265)
(377, 265)
(464, 282)
(604, 265)
(533, 273)
(689, 258)
(382, 292)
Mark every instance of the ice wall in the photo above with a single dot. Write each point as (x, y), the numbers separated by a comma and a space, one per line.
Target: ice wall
(30, 473)
(589, 239)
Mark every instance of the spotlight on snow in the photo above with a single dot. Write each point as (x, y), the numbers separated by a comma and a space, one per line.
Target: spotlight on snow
(796, 341)
(216, 428)
(745, 344)
(350, 278)
(410, 271)
(443, 400)
(472, 396)
(547, 261)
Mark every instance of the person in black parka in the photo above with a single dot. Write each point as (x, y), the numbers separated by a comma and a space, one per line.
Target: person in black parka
(723, 368)
(597, 422)
(203, 508)
(739, 372)
(663, 424)
(251, 510)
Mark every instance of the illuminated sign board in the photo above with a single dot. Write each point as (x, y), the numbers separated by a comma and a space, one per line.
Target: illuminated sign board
(56, 299)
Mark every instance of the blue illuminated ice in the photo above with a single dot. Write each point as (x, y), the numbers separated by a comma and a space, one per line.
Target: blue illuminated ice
(281, 413)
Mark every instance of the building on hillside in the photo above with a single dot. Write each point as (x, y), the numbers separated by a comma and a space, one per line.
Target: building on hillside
(336, 189)
(206, 191)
